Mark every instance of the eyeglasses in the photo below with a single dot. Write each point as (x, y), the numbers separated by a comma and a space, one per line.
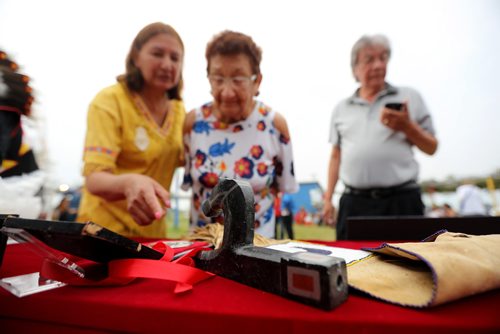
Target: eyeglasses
(217, 81)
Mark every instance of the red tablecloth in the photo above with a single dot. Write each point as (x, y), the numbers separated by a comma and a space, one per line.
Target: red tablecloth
(221, 306)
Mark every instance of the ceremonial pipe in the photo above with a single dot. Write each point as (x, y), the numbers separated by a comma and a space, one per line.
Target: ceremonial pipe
(314, 279)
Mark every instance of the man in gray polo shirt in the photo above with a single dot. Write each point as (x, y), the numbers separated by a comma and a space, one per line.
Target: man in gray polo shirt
(373, 142)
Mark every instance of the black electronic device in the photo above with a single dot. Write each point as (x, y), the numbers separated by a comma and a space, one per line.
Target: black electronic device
(394, 106)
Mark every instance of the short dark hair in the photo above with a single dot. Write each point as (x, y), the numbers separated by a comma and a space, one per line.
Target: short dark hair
(234, 43)
(133, 77)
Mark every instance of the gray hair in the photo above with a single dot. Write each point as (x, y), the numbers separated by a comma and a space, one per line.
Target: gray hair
(365, 41)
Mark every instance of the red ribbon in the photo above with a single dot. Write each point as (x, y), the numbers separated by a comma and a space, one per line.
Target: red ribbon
(120, 272)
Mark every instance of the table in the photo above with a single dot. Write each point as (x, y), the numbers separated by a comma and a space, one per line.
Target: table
(222, 306)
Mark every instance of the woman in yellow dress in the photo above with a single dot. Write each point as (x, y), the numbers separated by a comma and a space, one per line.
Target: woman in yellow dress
(134, 138)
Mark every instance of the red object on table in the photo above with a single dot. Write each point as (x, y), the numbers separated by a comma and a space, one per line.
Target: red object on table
(220, 305)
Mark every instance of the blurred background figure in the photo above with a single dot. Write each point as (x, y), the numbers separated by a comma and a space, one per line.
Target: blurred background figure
(67, 209)
(62, 211)
(75, 197)
(133, 142)
(287, 209)
(21, 180)
(278, 228)
(470, 200)
(237, 136)
(441, 211)
(301, 216)
(15, 101)
(448, 210)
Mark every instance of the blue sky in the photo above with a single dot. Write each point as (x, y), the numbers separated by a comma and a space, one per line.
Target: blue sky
(448, 50)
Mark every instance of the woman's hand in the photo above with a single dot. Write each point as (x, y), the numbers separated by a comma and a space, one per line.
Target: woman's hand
(146, 199)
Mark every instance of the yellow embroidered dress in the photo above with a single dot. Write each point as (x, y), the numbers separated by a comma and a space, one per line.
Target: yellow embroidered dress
(123, 138)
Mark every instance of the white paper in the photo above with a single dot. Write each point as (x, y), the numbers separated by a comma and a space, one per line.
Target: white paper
(349, 255)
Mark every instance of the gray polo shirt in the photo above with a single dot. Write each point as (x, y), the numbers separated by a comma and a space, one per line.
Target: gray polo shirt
(373, 155)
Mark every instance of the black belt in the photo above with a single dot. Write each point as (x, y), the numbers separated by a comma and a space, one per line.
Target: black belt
(381, 192)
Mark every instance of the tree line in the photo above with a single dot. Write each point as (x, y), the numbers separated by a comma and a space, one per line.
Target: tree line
(450, 183)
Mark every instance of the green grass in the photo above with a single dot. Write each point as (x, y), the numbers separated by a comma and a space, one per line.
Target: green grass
(180, 231)
(314, 232)
(302, 232)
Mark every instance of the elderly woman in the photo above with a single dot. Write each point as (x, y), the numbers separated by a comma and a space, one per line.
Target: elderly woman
(134, 138)
(236, 136)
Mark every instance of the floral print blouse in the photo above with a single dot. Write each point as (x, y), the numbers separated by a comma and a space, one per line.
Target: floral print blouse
(252, 150)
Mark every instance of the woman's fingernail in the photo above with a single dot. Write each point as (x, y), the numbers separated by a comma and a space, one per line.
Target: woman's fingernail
(158, 214)
(167, 203)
